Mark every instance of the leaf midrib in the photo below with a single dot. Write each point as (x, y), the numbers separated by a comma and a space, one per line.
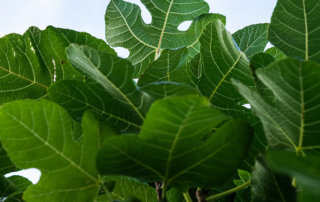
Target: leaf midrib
(306, 29)
(52, 147)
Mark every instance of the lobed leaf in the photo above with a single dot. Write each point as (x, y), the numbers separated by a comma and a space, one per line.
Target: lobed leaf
(38, 134)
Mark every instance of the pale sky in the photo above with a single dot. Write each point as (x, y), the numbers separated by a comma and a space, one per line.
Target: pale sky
(88, 16)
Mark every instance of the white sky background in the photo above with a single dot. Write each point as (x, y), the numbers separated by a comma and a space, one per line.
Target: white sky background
(88, 16)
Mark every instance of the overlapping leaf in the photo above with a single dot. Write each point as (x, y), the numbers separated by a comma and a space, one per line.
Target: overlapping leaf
(295, 28)
(292, 122)
(220, 62)
(276, 53)
(113, 74)
(38, 134)
(176, 145)
(12, 188)
(31, 62)
(78, 96)
(269, 186)
(125, 27)
(252, 39)
(304, 170)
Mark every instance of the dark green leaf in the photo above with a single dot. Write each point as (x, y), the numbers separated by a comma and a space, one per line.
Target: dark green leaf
(6, 165)
(221, 61)
(113, 74)
(305, 170)
(292, 121)
(295, 28)
(176, 145)
(252, 39)
(267, 186)
(78, 96)
(38, 134)
(31, 62)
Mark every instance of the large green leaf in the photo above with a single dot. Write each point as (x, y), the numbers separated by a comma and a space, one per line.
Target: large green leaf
(295, 28)
(113, 74)
(268, 186)
(31, 62)
(176, 145)
(220, 62)
(78, 96)
(306, 172)
(252, 39)
(38, 134)
(292, 121)
(125, 27)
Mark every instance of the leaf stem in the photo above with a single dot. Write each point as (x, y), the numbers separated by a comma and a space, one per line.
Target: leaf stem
(230, 191)
(187, 197)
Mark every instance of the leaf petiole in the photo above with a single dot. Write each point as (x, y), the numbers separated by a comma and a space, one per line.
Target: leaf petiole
(230, 191)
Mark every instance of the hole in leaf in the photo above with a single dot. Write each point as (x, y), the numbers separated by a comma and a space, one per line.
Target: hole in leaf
(248, 106)
(122, 52)
(146, 15)
(31, 174)
(54, 70)
(184, 26)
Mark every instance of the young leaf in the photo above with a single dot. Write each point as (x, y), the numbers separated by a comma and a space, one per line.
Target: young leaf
(306, 172)
(221, 60)
(267, 186)
(30, 63)
(252, 39)
(292, 121)
(113, 74)
(38, 134)
(295, 28)
(125, 27)
(78, 96)
(176, 145)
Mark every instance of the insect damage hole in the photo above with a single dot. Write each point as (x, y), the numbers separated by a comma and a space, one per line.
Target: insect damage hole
(184, 26)
(54, 70)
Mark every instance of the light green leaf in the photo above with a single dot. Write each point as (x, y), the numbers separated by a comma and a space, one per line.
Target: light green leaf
(125, 27)
(172, 66)
(292, 121)
(276, 53)
(268, 186)
(220, 62)
(305, 170)
(78, 96)
(176, 145)
(128, 187)
(113, 74)
(31, 62)
(38, 134)
(295, 28)
(252, 39)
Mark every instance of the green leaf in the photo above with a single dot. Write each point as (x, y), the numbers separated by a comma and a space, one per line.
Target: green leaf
(221, 60)
(13, 188)
(159, 90)
(125, 27)
(6, 165)
(267, 186)
(305, 170)
(128, 187)
(295, 28)
(78, 96)
(276, 53)
(176, 145)
(292, 121)
(172, 66)
(38, 134)
(113, 74)
(31, 62)
(252, 39)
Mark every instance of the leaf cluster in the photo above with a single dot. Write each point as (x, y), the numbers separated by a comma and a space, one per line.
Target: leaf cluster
(171, 122)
